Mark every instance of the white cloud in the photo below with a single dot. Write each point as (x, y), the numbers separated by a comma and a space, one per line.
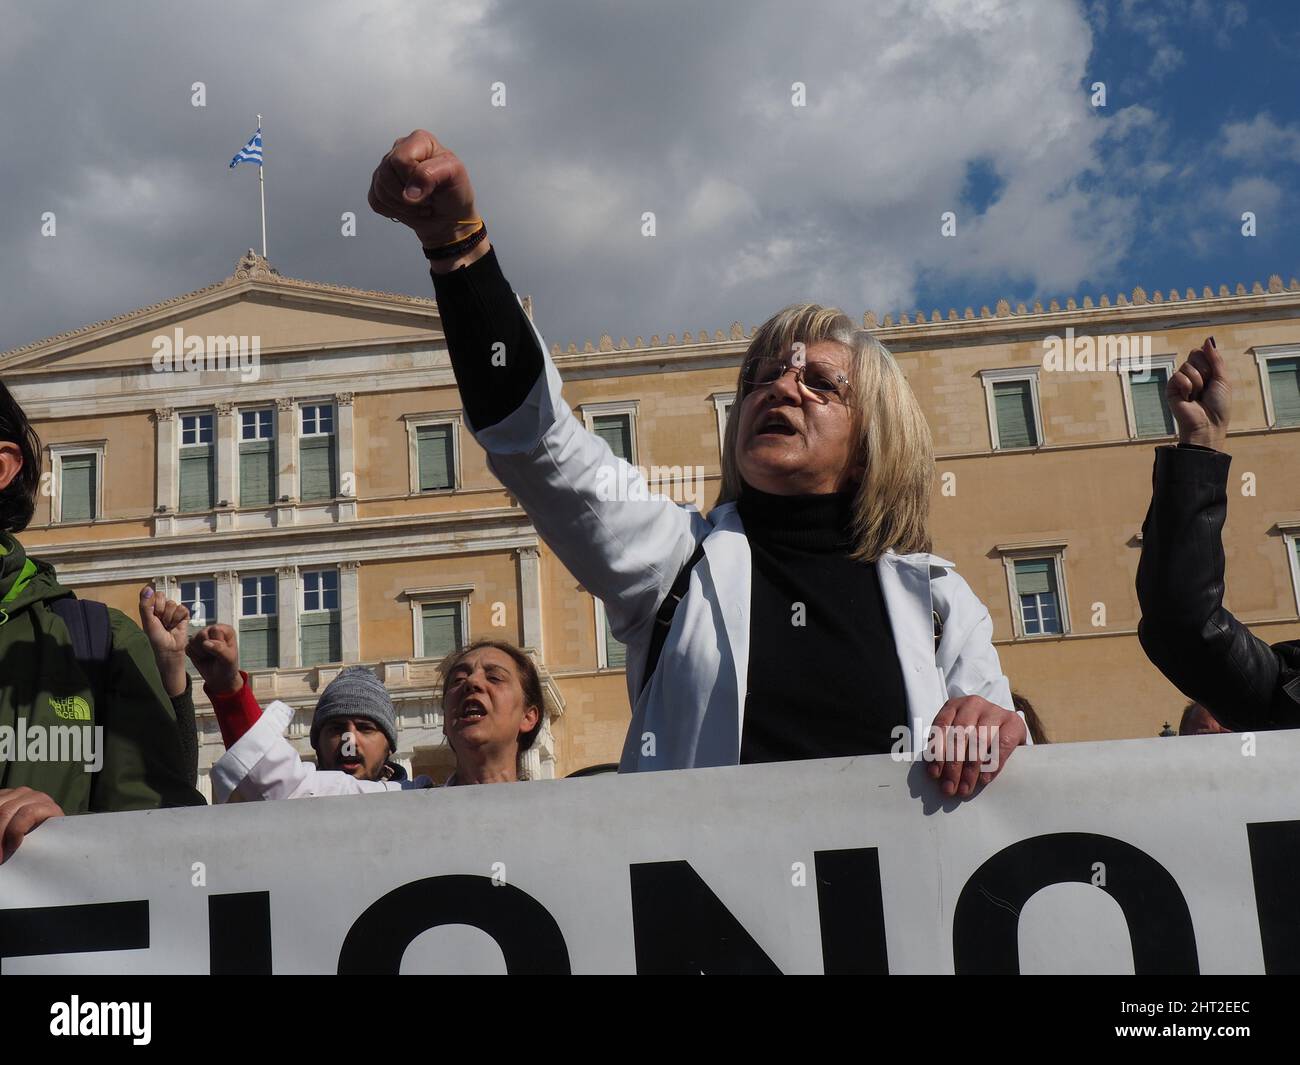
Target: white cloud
(1261, 140)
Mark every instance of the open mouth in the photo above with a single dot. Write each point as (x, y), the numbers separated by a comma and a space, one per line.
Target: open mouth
(775, 425)
(470, 711)
(349, 764)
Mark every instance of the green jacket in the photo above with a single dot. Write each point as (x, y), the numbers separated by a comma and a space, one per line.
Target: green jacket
(144, 764)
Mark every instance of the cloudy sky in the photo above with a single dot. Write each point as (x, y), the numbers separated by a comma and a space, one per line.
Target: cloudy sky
(913, 108)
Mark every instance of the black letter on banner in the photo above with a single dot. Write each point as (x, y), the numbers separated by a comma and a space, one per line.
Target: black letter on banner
(852, 912)
(987, 918)
(74, 929)
(239, 934)
(524, 929)
(1274, 859)
(681, 927)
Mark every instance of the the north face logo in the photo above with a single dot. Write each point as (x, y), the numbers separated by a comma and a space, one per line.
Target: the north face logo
(73, 708)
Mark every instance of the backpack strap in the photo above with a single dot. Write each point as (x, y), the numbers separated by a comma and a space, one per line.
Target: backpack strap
(88, 625)
(92, 638)
(664, 615)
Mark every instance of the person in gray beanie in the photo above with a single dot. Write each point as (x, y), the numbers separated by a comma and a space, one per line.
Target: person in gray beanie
(353, 732)
(354, 729)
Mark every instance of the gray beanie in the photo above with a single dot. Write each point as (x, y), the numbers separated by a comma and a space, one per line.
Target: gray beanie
(356, 692)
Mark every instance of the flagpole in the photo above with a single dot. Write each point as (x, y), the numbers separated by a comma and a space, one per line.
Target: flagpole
(261, 187)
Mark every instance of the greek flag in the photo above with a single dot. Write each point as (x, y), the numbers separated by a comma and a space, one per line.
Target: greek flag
(250, 152)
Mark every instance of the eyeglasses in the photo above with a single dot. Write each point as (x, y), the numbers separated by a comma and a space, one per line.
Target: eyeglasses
(824, 380)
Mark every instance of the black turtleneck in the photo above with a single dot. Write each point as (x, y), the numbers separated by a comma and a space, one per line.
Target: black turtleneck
(824, 679)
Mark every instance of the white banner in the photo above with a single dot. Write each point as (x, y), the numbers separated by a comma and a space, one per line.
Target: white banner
(1162, 855)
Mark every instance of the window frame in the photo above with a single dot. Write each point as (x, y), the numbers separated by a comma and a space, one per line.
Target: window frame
(1055, 552)
(241, 440)
(178, 581)
(628, 407)
(722, 405)
(1013, 373)
(417, 598)
(335, 449)
(602, 650)
(256, 408)
(272, 620)
(1264, 354)
(214, 475)
(414, 422)
(1125, 370)
(317, 405)
(302, 591)
(1291, 538)
(259, 577)
(56, 454)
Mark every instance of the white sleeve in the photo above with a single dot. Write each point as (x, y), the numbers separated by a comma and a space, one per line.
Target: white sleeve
(967, 658)
(262, 764)
(593, 509)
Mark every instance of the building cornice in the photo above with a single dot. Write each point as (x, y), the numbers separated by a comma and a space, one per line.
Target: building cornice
(918, 329)
(366, 540)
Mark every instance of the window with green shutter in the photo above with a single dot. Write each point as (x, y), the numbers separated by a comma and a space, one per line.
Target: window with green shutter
(259, 631)
(435, 454)
(1037, 593)
(1151, 415)
(1013, 407)
(1284, 386)
(320, 623)
(616, 431)
(77, 487)
(441, 628)
(319, 467)
(615, 652)
(256, 457)
(197, 461)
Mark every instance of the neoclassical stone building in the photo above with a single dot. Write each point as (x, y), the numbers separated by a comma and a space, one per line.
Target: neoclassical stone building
(324, 495)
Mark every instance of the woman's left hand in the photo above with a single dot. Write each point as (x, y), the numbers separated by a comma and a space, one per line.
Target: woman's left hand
(970, 741)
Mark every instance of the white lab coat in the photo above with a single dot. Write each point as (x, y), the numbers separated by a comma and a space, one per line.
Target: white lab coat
(627, 552)
(263, 765)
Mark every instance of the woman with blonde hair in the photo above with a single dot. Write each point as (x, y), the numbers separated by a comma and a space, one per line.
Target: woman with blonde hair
(804, 617)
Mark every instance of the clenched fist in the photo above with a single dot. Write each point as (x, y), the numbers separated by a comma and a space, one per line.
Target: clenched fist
(215, 654)
(1200, 397)
(425, 186)
(166, 623)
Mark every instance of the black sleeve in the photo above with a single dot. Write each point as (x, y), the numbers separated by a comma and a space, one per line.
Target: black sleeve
(1204, 651)
(183, 705)
(478, 311)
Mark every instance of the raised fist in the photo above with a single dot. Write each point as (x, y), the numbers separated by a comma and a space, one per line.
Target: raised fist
(215, 654)
(1200, 397)
(425, 186)
(166, 623)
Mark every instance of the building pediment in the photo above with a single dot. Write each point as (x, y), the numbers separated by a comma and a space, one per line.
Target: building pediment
(286, 314)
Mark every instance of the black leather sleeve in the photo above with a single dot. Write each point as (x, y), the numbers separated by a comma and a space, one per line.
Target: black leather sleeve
(479, 311)
(1204, 651)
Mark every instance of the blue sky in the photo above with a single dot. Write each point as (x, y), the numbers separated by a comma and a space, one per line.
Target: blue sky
(1218, 89)
(913, 108)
